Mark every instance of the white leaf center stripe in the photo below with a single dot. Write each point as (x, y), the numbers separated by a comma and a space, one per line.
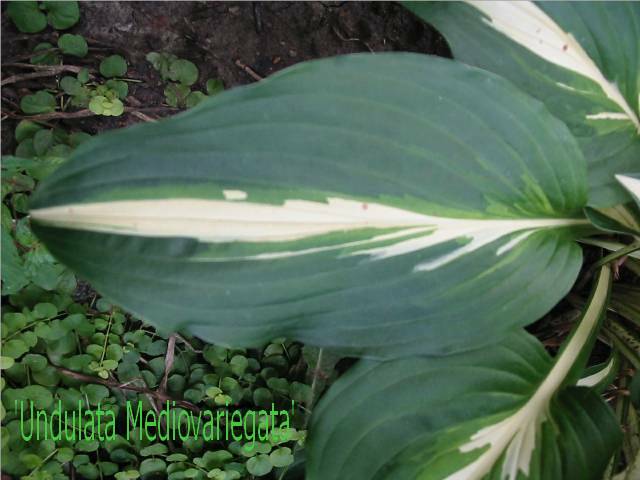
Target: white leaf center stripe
(517, 433)
(220, 221)
(528, 25)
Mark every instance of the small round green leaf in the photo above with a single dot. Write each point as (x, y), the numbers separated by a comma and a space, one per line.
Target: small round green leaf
(177, 457)
(113, 66)
(152, 465)
(39, 102)
(26, 129)
(281, 457)
(259, 465)
(46, 57)
(40, 396)
(34, 361)
(194, 98)
(26, 16)
(71, 86)
(239, 364)
(6, 362)
(14, 348)
(103, 106)
(62, 14)
(121, 88)
(155, 449)
(183, 71)
(214, 86)
(45, 310)
(83, 75)
(75, 45)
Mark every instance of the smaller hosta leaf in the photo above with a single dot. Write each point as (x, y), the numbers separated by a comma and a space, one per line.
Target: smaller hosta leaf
(599, 377)
(497, 412)
(74, 45)
(623, 218)
(113, 66)
(26, 16)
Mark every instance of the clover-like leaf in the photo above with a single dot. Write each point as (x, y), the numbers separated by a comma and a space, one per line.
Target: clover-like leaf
(47, 57)
(119, 86)
(113, 66)
(39, 102)
(259, 465)
(27, 16)
(71, 44)
(194, 98)
(183, 71)
(214, 86)
(71, 86)
(108, 107)
(62, 14)
(176, 94)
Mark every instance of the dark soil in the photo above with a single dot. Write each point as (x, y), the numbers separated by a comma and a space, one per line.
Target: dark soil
(266, 36)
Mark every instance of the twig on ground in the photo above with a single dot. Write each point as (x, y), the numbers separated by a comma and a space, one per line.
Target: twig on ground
(168, 362)
(50, 71)
(186, 343)
(250, 71)
(82, 113)
(143, 117)
(30, 66)
(159, 396)
(351, 39)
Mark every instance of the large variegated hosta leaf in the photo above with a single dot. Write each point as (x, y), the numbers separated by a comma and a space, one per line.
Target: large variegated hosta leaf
(582, 59)
(382, 204)
(508, 412)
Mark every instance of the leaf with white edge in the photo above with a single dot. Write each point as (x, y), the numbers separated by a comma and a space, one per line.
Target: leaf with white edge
(582, 59)
(609, 245)
(599, 377)
(339, 202)
(632, 183)
(506, 412)
(623, 218)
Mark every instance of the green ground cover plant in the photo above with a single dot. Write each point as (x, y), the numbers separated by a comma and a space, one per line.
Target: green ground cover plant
(410, 211)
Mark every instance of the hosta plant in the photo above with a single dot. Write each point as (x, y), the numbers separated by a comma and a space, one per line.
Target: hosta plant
(389, 206)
